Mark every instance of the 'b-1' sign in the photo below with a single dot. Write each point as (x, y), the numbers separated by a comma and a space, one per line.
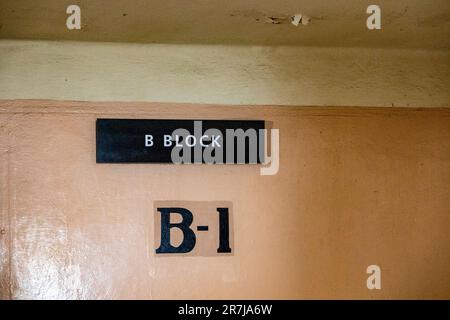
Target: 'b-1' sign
(193, 228)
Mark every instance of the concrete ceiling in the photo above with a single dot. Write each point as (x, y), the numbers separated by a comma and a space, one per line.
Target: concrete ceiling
(405, 23)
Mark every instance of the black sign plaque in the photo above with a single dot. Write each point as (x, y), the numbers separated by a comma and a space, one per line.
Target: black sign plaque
(152, 141)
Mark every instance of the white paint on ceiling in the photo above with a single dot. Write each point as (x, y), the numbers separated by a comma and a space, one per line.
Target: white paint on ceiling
(405, 24)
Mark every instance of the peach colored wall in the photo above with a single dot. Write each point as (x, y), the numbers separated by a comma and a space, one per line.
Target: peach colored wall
(356, 186)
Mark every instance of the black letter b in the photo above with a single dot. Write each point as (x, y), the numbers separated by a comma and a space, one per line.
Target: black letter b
(189, 239)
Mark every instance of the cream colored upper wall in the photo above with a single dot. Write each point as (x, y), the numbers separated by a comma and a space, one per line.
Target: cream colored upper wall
(223, 74)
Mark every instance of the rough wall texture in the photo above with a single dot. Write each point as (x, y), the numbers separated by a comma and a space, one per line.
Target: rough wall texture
(356, 186)
(5, 233)
(405, 24)
(224, 74)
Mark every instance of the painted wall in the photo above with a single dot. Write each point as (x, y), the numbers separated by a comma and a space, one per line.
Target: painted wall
(357, 186)
(224, 74)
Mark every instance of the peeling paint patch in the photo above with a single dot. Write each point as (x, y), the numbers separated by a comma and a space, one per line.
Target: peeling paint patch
(299, 18)
(275, 20)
